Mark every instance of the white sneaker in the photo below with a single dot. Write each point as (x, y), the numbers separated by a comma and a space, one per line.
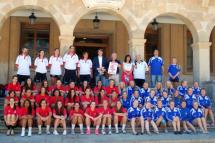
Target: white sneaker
(8, 132)
(29, 133)
(82, 132)
(117, 132)
(64, 132)
(55, 132)
(109, 133)
(123, 131)
(72, 132)
(103, 132)
(23, 133)
(48, 132)
(39, 132)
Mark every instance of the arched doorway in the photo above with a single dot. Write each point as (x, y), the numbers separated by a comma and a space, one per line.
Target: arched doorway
(173, 38)
(17, 32)
(212, 53)
(112, 35)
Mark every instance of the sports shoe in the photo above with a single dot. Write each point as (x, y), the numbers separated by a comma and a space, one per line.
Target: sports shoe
(97, 132)
(82, 132)
(12, 132)
(47, 132)
(123, 131)
(109, 133)
(88, 132)
(39, 132)
(8, 132)
(23, 133)
(55, 132)
(103, 132)
(64, 132)
(72, 132)
(29, 133)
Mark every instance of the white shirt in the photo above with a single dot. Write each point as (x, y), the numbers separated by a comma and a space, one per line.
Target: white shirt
(56, 63)
(85, 66)
(70, 61)
(100, 61)
(127, 66)
(140, 70)
(24, 63)
(41, 65)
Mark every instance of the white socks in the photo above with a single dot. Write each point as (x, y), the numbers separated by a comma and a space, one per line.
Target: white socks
(29, 131)
(123, 126)
(23, 132)
(116, 127)
(73, 126)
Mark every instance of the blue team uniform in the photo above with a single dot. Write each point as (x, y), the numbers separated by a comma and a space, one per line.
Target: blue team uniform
(152, 100)
(133, 113)
(182, 90)
(144, 92)
(196, 91)
(189, 100)
(185, 114)
(196, 113)
(204, 101)
(174, 69)
(147, 114)
(177, 101)
(158, 93)
(125, 103)
(170, 91)
(130, 90)
(140, 100)
(159, 112)
(165, 101)
(156, 64)
(170, 113)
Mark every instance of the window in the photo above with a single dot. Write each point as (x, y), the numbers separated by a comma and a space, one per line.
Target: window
(35, 37)
(189, 52)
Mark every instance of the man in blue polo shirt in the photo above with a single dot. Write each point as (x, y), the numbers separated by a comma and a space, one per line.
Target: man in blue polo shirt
(156, 68)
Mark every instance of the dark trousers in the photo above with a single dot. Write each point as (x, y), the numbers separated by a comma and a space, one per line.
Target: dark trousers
(22, 78)
(139, 82)
(85, 78)
(69, 76)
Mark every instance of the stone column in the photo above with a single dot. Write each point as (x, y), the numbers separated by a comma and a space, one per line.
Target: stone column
(201, 61)
(137, 46)
(65, 42)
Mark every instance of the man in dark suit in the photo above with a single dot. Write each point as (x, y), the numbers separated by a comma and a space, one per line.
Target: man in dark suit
(100, 67)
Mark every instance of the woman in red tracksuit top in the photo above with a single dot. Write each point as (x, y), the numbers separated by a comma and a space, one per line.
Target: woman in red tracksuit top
(26, 115)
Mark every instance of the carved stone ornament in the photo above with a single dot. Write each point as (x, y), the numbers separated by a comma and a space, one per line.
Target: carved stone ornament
(115, 4)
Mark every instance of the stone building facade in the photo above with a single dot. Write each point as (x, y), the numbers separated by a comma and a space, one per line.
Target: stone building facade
(136, 15)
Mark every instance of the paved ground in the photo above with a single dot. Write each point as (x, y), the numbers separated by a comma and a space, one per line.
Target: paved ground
(127, 138)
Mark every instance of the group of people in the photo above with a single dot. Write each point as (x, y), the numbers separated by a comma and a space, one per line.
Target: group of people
(111, 103)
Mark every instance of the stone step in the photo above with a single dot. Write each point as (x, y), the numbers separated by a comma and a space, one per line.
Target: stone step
(17, 130)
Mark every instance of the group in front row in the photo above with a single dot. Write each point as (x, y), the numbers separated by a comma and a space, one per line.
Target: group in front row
(106, 107)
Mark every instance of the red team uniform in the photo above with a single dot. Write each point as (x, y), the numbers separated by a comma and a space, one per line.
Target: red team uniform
(43, 112)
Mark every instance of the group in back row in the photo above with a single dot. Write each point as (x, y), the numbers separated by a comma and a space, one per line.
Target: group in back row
(99, 67)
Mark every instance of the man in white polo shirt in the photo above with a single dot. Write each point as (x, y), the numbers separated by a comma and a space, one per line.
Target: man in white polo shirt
(140, 68)
(70, 61)
(23, 63)
(85, 68)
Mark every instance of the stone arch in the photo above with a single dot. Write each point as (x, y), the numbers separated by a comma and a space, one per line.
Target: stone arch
(13, 6)
(188, 22)
(126, 18)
